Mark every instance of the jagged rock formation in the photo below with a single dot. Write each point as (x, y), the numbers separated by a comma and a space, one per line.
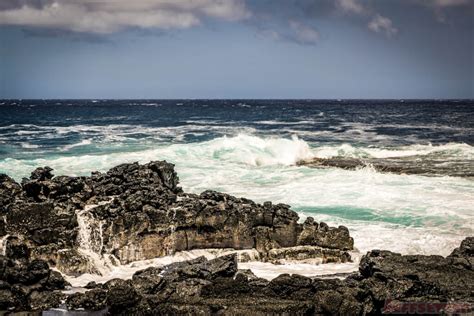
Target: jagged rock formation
(422, 165)
(135, 212)
(386, 282)
(27, 284)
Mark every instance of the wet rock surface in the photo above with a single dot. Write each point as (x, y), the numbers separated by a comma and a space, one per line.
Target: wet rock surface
(422, 165)
(386, 282)
(135, 212)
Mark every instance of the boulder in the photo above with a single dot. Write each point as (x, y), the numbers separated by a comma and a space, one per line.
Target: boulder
(28, 285)
(93, 300)
(42, 174)
(121, 295)
(324, 236)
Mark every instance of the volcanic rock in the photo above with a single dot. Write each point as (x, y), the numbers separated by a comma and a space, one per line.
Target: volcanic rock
(136, 212)
(28, 285)
(387, 282)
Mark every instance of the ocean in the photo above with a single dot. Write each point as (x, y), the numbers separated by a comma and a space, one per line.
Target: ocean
(250, 148)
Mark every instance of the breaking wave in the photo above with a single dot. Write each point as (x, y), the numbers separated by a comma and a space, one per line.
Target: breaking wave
(408, 214)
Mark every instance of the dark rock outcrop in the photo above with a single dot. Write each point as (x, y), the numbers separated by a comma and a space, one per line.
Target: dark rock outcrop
(135, 212)
(208, 220)
(466, 250)
(26, 284)
(422, 165)
(387, 282)
(93, 300)
(392, 278)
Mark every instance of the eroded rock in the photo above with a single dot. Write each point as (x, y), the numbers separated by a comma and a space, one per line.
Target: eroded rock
(430, 165)
(387, 282)
(28, 285)
(136, 212)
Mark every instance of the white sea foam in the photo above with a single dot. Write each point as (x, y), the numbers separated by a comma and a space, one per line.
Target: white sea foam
(278, 122)
(403, 213)
(270, 271)
(450, 150)
(3, 241)
(29, 146)
(264, 270)
(83, 142)
(256, 151)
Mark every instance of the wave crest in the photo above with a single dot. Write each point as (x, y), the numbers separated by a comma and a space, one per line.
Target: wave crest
(257, 151)
(449, 151)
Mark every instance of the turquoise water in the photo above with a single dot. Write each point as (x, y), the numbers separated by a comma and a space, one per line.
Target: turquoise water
(251, 149)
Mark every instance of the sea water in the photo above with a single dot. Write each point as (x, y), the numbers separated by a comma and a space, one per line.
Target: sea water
(250, 148)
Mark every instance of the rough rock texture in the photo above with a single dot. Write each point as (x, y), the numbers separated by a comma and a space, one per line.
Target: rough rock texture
(466, 250)
(392, 278)
(387, 282)
(27, 284)
(208, 220)
(135, 212)
(431, 165)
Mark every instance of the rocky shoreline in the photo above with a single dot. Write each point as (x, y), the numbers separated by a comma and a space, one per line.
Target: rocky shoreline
(134, 212)
(418, 165)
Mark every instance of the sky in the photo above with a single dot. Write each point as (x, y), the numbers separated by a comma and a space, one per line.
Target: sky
(157, 49)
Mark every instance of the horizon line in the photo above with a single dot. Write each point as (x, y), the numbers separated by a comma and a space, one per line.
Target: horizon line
(248, 99)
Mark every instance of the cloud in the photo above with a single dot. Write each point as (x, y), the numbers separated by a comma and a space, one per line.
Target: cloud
(377, 22)
(351, 6)
(288, 20)
(108, 16)
(304, 34)
(440, 7)
(295, 32)
(381, 24)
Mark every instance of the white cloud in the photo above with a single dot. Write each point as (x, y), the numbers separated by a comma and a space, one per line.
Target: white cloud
(304, 34)
(381, 24)
(295, 32)
(107, 16)
(377, 23)
(351, 6)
